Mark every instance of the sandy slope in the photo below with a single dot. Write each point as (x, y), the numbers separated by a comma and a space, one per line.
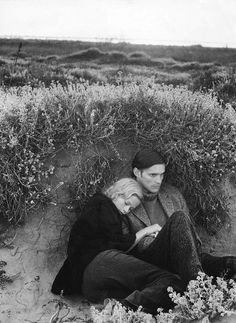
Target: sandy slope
(37, 249)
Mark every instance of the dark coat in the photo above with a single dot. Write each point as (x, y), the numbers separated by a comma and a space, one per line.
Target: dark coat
(97, 229)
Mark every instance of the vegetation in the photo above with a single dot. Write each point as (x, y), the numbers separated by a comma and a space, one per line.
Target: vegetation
(174, 99)
(191, 129)
(4, 279)
(204, 299)
(196, 53)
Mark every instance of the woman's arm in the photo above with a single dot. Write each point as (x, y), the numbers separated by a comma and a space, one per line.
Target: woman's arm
(147, 231)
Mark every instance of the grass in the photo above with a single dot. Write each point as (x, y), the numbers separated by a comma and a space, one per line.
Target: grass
(203, 301)
(86, 99)
(180, 53)
(191, 129)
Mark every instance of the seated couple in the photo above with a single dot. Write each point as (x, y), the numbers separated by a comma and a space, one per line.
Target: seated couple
(134, 240)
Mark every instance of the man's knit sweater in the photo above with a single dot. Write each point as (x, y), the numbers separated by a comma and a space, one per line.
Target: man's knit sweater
(154, 209)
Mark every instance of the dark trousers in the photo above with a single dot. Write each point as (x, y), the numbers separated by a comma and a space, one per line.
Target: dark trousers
(115, 274)
(176, 248)
(142, 278)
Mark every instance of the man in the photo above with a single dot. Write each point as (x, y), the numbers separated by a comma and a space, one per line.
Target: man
(176, 246)
(167, 256)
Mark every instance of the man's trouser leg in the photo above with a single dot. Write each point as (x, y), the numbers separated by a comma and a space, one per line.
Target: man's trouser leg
(176, 248)
(115, 274)
(219, 266)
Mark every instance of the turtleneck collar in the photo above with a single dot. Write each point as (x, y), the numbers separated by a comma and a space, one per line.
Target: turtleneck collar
(147, 196)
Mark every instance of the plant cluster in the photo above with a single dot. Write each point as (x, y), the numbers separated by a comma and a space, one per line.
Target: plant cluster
(203, 300)
(3, 277)
(205, 297)
(120, 315)
(191, 129)
(221, 81)
(135, 66)
(63, 47)
(33, 74)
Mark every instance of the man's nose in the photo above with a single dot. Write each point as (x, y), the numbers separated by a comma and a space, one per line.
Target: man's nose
(158, 179)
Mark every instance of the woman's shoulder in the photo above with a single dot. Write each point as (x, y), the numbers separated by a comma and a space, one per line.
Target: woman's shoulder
(100, 197)
(97, 200)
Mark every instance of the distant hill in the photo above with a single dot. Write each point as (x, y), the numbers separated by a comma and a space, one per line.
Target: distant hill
(34, 47)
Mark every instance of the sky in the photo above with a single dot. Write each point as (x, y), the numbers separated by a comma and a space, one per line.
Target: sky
(168, 22)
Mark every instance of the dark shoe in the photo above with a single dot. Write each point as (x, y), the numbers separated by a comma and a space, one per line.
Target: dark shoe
(230, 263)
(219, 266)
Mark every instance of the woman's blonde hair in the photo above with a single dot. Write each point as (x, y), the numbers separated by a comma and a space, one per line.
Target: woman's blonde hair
(125, 187)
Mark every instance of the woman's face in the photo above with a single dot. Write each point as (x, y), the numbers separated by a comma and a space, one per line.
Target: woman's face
(125, 205)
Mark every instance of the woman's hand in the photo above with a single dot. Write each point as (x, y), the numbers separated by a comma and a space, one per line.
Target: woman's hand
(153, 229)
(150, 230)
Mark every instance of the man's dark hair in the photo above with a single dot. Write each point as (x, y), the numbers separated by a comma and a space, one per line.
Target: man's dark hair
(146, 158)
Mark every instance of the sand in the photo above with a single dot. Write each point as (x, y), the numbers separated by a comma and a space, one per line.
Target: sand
(35, 250)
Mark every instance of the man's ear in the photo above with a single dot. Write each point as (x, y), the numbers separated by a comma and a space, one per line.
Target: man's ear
(136, 172)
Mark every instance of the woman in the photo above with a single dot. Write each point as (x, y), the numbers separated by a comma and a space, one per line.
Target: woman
(99, 228)
(98, 263)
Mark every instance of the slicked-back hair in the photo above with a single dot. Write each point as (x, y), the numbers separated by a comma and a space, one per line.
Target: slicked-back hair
(147, 158)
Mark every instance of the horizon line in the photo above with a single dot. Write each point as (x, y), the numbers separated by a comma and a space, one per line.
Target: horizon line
(123, 40)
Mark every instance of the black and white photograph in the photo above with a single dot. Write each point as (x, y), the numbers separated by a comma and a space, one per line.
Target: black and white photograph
(117, 161)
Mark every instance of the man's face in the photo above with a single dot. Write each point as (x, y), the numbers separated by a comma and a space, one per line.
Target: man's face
(150, 178)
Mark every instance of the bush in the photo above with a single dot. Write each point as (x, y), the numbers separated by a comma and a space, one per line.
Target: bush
(182, 67)
(87, 54)
(222, 82)
(3, 61)
(207, 80)
(172, 78)
(4, 279)
(191, 129)
(117, 56)
(92, 75)
(138, 55)
(20, 54)
(203, 300)
(33, 74)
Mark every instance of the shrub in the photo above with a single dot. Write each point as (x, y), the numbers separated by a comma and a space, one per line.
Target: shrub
(18, 54)
(203, 299)
(92, 75)
(3, 277)
(3, 61)
(172, 78)
(226, 90)
(139, 55)
(119, 315)
(34, 75)
(221, 81)
(52, 57)
(117, 56)
(186, 66)
(113, 57)
(207, 80)
(191, 129)
(87, 54)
